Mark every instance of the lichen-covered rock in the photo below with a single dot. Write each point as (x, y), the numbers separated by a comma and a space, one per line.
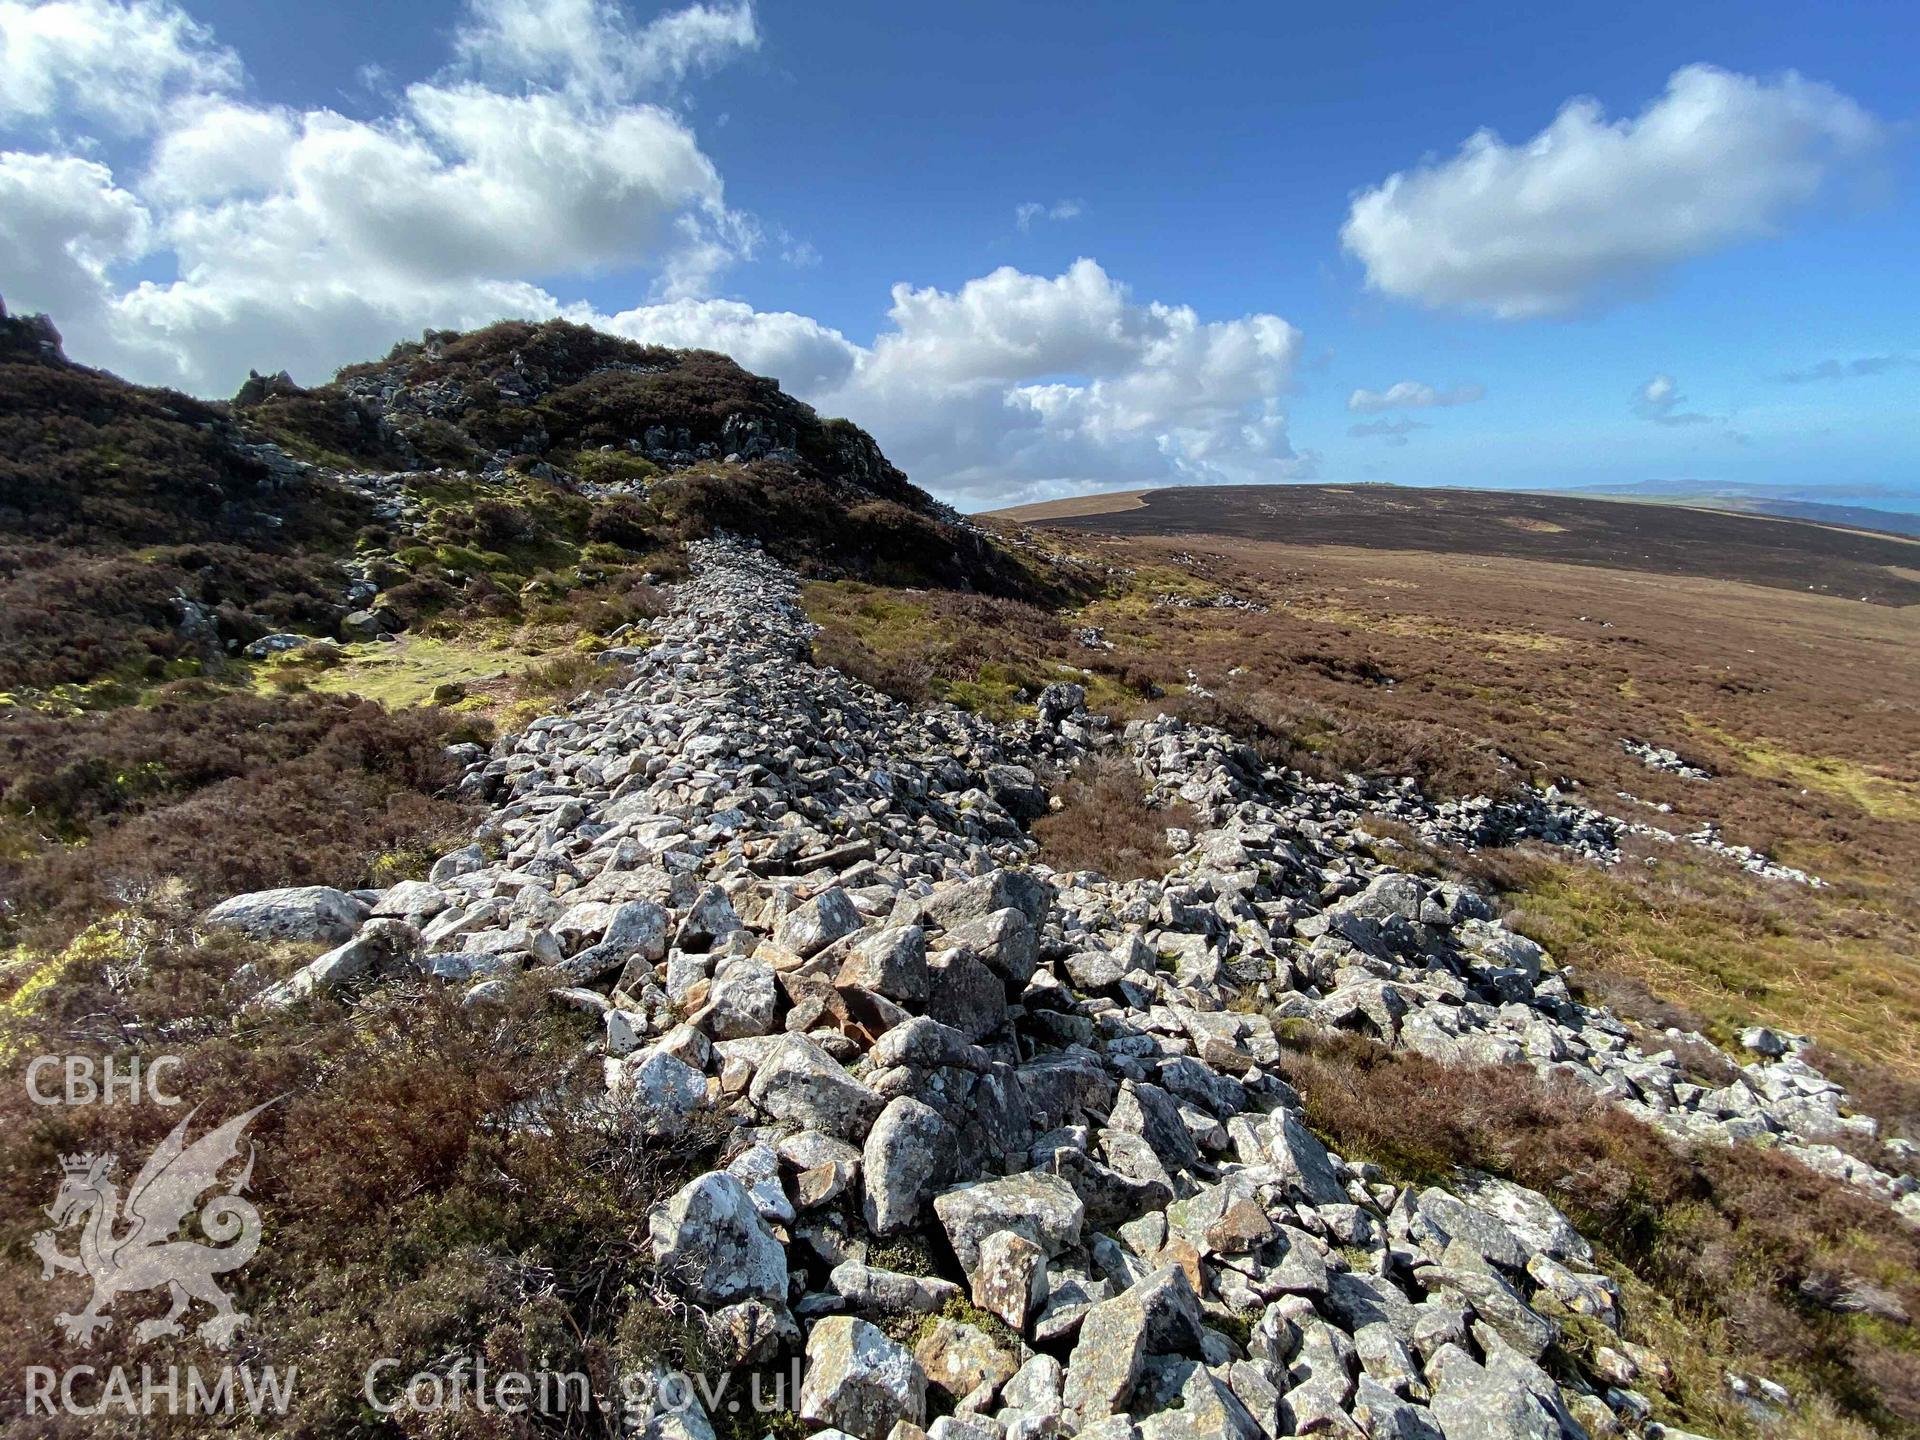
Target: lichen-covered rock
(860, 1381)
(1042, 1207)
(1472, 1403)
(906, 1150)
(1299, 1156)
(891, 962)
(744, 1000)
(659, 1092)
(963, 1361)
(811, 927)
(711, 1244)
(878, 1291)
(1010, 1278)
(316, 913)
(1005, 940)
(799, 1082)
(1108, 1360)
(1191, 1403)
(709, 917)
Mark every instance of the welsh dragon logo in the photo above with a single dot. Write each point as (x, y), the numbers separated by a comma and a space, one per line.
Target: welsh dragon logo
(133, 1248)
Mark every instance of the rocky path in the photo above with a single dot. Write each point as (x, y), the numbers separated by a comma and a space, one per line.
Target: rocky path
(796, 900)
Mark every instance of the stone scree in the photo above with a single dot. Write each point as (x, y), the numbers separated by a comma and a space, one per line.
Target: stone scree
(918, 1033)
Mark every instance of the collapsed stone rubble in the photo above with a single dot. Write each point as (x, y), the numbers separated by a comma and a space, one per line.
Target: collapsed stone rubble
(1555, 818)
(1659, 757)
(803, 904)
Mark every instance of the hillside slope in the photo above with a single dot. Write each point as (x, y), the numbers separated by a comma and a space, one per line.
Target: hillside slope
(196, 599)
(752, 1035)
(1654, 538)
(754, 923)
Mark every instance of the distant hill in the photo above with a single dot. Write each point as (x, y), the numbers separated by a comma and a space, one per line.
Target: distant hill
(1654, 536)
(1754, 502)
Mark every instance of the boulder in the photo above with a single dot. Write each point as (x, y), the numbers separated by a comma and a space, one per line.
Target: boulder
(905, 1152)
(381, 945)
(1010, 1280)
(1303, 1160)
(1042, 1207)
(1383, 1415)
(1497, 1303)
(709, 917)
(660, 1092)
(860, 1381)
(962, 1361)
(415, 901)
(1005, 940)
(1528, 1214)
(758, 1168)
(891, 962)
(1472, 1226)
(964, 993)
(1107, 1361)
(744, 1000)
(809, 928)
(369, 624)
(879, 1291)
(313, 913)
(998, 890)
(711, 1244)
(924, 1043)
(1192, 1403)
(1057, 701)
(1470, 1403)
(1151, 1113)
(1017, 790)
(637, 928)
(800, 1083)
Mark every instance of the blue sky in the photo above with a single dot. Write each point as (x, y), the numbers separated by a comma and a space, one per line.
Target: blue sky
(1198, 290)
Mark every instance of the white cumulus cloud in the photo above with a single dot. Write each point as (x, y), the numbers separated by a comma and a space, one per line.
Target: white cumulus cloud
(1413, 395)
(592, 46)
(247, 234)
(1018, 386)
(808, 358)
(63, 223)
(1592, 208)
(307, 238)
(117, 64)
(215, 148)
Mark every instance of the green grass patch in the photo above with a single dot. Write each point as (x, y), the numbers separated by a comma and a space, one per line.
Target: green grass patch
(995, 691)
(608, 467)
(989, 656)
(406, 671)
(1883, 797)
(1699, 935)
(885, 621)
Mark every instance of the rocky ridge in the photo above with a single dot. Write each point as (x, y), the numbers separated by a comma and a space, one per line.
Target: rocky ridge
(795, 900)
